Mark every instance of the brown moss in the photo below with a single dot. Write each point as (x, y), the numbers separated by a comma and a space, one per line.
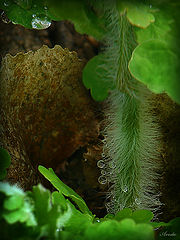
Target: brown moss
(168, 114)
(46, 107)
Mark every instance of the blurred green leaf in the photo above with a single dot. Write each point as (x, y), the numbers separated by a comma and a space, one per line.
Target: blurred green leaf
(13, 202)
(94, 78)
(124, 213)
(80, 13)
(142, 216)
(155, 65)
(138, 14)
(5, 161)
(42, 205)
(78, 221)
(126, 229)
(160, 29)
(59, 199)
(17, 207)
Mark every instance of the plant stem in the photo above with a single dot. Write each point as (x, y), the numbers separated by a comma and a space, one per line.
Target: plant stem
(132, 135)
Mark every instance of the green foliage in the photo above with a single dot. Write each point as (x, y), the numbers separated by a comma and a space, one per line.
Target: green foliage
(27, 13)
(16, 208)
(39, 14)
(138, 14)
(65, 190)
(5, 161)
(38, 213)
(139, 216)
(94, 79)
(80, 13)
(153, 62)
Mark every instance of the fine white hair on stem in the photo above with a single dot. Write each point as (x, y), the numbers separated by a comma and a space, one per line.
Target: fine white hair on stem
(131, 153)
(132, 135)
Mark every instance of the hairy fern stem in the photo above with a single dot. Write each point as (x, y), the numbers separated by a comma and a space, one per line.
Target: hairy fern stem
(131, 143)
(130, 153)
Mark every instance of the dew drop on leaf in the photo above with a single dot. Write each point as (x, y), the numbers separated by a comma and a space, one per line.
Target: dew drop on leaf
(125, 189)
(100, 164)
(137, 201)
(102, 179)
(6, 3)
(4, 18)
(103, 172)
(40, 22)
(112, 165)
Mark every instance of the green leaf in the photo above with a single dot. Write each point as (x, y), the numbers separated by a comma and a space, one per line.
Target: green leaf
(159, 224)
(13, 202)
(158, 30)
(38, 14)
(5, 161)
(78, 221)
(105, 230)
(126, 229)
(94, 79)
(64, 189)
(142, 216)
(17, 207)
(42, 205)
(125, 213)
(50, 217)
(139, 216)
(30, 14)
(80, 13)
(138, 14)
(155, 65)
(59, 199)
(129, 230)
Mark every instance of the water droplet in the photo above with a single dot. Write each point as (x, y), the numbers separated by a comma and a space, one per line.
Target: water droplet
(59, 229)
(121, 206)
(6, 3)
(40, 22)
(97, 220)
(103, 155)
(137, 200)
(100, 164)
(4, 18)
(112, 165)
(103, 172)
(102, 179)
(125, 189)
